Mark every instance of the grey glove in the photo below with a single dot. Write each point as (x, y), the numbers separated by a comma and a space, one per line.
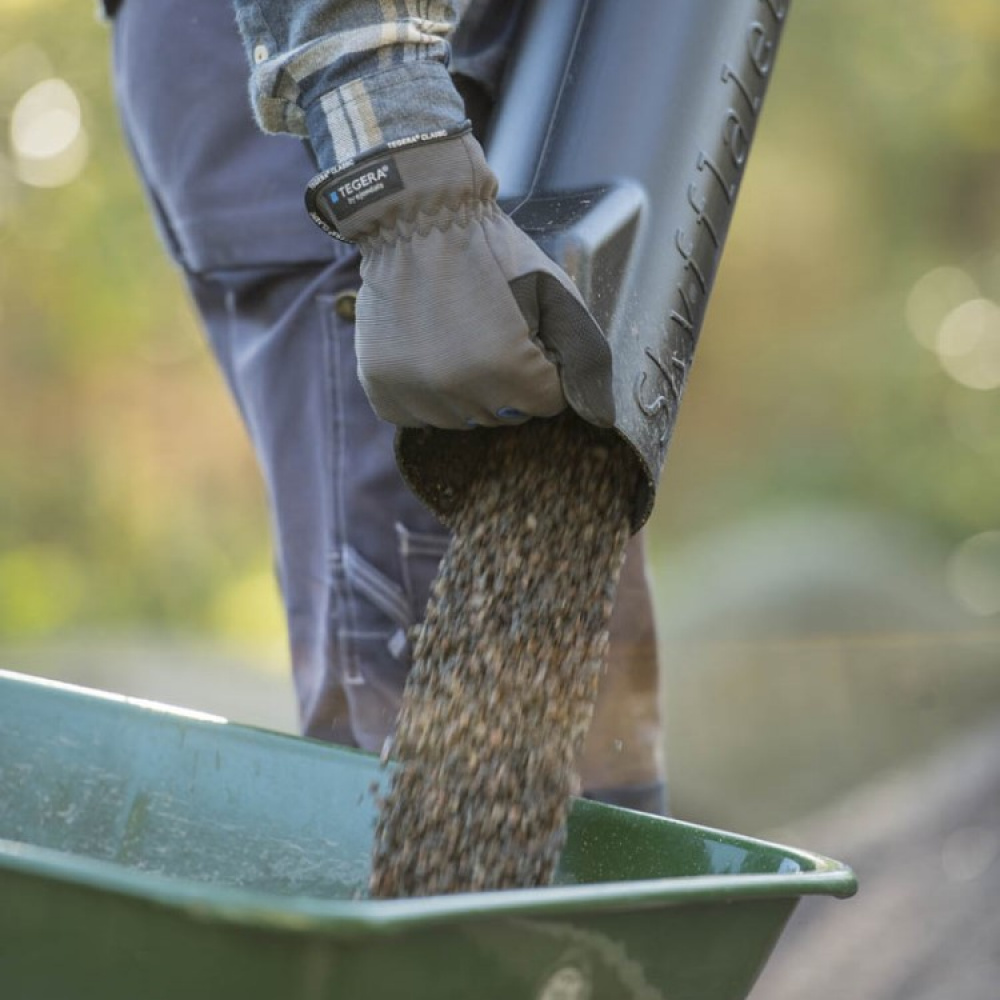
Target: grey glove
(461, 318)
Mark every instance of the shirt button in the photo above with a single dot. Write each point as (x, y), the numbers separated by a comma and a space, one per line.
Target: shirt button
(344, 305)
(260, 53)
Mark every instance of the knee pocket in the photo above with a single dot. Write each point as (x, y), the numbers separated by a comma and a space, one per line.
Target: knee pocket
(373, 626)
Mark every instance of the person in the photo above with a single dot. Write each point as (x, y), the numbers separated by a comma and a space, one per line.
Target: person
(324, 365)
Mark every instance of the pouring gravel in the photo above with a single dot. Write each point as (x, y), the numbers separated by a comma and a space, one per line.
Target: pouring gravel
(506, 666)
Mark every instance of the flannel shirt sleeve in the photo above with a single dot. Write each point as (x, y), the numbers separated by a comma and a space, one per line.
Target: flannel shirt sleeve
(351, 75)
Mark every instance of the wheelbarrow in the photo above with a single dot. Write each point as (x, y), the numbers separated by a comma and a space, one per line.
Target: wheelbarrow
(156, 853)
(151, 853)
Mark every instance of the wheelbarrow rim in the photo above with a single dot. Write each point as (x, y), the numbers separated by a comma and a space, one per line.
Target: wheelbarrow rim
(349, 918)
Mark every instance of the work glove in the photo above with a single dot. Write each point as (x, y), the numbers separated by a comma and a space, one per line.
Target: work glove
(461, 319)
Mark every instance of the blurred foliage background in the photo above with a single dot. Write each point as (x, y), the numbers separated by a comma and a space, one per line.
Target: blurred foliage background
(128, 496)
(827, 541)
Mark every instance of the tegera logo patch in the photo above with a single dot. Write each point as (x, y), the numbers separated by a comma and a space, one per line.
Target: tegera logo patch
(364, 185)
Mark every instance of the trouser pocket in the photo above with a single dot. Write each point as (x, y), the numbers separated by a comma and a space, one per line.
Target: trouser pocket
(377, 615)
(420, 555)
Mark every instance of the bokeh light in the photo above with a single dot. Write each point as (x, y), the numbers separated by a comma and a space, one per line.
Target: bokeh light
(932, 297)
(968, 344)
(969, 852)
(47, 135)
(973, 573)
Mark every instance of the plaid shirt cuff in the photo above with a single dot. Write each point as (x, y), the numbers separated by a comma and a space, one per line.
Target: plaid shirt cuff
(416, 98)
(351, 76)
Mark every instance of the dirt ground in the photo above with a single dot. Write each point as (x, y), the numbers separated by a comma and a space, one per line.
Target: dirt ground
(925, 925)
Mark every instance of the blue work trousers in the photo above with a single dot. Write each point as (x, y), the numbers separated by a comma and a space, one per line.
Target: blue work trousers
(355, 551)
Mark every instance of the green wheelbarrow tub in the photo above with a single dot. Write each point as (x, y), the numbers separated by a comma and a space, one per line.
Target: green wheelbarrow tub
(149, 852)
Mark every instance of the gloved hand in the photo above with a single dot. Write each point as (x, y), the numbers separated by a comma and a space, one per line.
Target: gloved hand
(461, 319)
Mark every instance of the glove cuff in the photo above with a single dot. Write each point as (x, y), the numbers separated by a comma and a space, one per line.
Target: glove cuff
(390, 191)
